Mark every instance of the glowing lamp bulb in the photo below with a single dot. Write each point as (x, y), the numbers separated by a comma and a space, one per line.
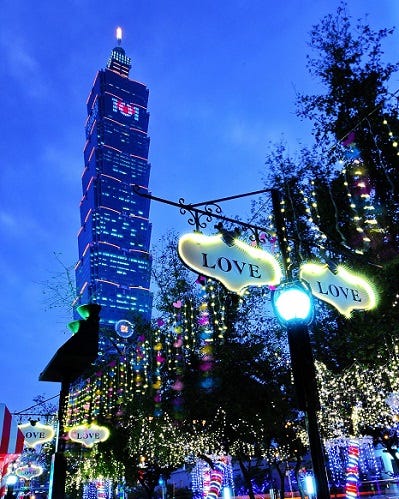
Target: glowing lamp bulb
(293, 303)
(119, 34)
(11, 479)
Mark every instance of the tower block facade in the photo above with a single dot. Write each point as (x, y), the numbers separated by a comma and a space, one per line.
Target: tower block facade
(114, 267)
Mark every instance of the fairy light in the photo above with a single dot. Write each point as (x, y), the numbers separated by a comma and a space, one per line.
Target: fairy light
(312, 211)
(392, 139)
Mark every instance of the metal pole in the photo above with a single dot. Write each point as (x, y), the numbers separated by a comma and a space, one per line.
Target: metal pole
(304, 374)
(58, 463)
(317, 454)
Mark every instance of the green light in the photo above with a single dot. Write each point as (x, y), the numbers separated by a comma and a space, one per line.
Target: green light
(84, 311)
(74, 326)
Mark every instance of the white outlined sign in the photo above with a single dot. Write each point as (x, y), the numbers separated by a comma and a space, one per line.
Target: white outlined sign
(88, 435)
(36, 433)
(343, 289)
(236, 267)
(29, 471)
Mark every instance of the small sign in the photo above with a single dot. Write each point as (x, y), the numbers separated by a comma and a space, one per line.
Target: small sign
(236, 267)
(29, 471)
(36, 433)
(343, 289)
(88, 435)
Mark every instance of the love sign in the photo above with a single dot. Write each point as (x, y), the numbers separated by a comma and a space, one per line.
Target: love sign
(29, 471)
(36, 433)
(236, 266)
(343, 289)
(88, 435)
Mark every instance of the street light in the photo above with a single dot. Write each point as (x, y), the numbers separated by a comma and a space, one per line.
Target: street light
(11, 480)
(293, 303)
(294, 309)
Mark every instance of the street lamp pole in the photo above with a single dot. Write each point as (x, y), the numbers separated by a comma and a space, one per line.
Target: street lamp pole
(308, 401)
(293, 306)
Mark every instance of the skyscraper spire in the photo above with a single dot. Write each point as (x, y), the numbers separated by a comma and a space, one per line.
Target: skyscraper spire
(119, 62)
(119, 35)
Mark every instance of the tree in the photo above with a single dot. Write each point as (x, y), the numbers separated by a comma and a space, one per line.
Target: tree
(339, 204)
(341, 196)
(234, 377)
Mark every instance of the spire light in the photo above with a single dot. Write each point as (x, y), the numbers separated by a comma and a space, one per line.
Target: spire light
(119, 34)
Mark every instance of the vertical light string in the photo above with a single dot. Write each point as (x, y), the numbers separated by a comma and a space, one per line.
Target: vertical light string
(360, 195)
(157, 381)
(206, 342)
(179, 334)
(313, 215)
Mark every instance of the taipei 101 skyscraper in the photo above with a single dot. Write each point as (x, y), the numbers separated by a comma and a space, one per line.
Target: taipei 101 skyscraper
(114, 266)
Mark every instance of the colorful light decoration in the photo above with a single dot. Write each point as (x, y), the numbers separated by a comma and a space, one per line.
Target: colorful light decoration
(216, 478)
(338, 452)
(29, 471)
(177, 347)
(191, 327)
(207, 482)
(157, 384)
(352, 470)
(206, 349)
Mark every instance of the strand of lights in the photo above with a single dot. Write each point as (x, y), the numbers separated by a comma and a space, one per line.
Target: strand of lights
(178, 351)
(284, 233)
(216, 310)
(157, 384)
(206, 342)
(314, 220)
(359, 193)
(392, 138)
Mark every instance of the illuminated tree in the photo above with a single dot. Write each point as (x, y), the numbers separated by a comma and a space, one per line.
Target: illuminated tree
(339, 204)
(340, 197)
(227, 365)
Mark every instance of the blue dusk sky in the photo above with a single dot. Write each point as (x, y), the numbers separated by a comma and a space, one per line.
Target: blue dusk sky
(222, 77)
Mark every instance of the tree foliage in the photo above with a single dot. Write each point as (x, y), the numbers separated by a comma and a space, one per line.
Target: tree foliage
(340, 197)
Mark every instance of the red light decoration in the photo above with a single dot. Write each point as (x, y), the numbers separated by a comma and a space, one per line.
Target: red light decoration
(352, 470)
